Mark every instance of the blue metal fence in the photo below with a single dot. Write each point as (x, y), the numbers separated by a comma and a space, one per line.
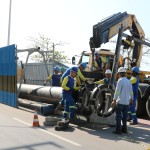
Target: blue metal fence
(8, 75)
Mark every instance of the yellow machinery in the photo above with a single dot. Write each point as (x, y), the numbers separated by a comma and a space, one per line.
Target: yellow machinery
(101, 96)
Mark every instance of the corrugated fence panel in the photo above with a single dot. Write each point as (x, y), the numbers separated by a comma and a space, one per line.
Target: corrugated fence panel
(8, 75)
(36, 73)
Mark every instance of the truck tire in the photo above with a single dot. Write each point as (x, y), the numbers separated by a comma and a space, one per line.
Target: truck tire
(142, 98)
(141, 106)
(148, 107)
(85, 102)
(102, 106)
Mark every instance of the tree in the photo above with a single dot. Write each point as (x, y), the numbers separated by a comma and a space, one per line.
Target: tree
(48, 47)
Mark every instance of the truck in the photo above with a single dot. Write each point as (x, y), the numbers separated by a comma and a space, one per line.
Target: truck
(98, 99)
(94, 101)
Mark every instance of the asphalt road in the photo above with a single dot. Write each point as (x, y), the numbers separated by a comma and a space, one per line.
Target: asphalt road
(17, 133)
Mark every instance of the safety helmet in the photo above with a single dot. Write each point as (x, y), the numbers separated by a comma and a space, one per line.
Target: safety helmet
(62, 69)
(75, 69)
(96, 54)
(108, 71)
(56, 68)
(84, 64)
(136, 69)
(121, 69)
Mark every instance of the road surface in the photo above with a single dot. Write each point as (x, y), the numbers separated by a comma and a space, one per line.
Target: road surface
(17, 133)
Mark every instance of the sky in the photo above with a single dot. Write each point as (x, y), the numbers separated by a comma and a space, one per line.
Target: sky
(68, 21)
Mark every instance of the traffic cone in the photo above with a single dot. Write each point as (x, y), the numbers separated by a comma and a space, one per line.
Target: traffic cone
(35, 120)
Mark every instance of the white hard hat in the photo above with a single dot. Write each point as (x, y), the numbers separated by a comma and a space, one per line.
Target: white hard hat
(121, 69)
(108, 71)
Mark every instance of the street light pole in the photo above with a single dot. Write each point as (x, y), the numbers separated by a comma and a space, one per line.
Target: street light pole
(53, 56)
(9, 23)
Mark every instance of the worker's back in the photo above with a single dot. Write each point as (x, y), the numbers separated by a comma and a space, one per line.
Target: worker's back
(123, 89)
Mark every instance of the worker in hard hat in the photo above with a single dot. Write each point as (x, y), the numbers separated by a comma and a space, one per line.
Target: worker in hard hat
(79, 78)
(135, 84)
(55, 78)
(105, 81)
(123, 97)
(62, 70)
(108, 74)
(97, 61)
(68, 86)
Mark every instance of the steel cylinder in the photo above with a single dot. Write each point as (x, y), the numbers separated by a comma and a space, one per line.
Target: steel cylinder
(43, 94)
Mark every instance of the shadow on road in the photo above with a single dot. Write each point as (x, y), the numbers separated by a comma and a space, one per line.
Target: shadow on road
(33, 146)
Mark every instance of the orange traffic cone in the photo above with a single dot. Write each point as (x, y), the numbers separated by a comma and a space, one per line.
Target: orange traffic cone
(35, 120)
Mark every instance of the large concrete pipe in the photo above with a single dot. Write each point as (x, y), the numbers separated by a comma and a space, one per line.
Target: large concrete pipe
(43, 94)
(30, 104)
(43, 108)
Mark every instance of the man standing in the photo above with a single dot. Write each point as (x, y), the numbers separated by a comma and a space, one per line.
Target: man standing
(122, 98)
(55, 78)
(98, 61)
(135, 84)
(79, 78)
(68, 86)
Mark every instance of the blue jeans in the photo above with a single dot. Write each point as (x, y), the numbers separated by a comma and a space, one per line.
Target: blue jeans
(121, 115)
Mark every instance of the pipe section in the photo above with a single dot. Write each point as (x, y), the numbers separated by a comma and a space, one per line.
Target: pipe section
(43, 94)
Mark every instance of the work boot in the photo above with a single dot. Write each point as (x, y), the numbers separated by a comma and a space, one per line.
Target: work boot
(133, 123)
(117, 132)
(66, 121)
(124, 130)
(63, 122)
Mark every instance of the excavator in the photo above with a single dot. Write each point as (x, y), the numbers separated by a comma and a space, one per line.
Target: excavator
(96, 100)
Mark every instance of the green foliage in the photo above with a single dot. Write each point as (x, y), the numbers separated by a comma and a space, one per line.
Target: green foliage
(49, 48)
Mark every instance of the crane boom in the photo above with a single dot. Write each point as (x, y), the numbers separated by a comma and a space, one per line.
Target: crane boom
(109, 27)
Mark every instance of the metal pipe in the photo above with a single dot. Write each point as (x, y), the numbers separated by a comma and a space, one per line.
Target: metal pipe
(44, 94)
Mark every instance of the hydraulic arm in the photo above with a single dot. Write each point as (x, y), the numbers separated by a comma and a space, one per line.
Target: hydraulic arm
(109, 27)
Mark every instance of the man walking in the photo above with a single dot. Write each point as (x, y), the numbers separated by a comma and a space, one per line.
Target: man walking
(122, 98)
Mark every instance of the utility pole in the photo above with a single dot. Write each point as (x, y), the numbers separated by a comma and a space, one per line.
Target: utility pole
(9, 23)
(53, 57)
